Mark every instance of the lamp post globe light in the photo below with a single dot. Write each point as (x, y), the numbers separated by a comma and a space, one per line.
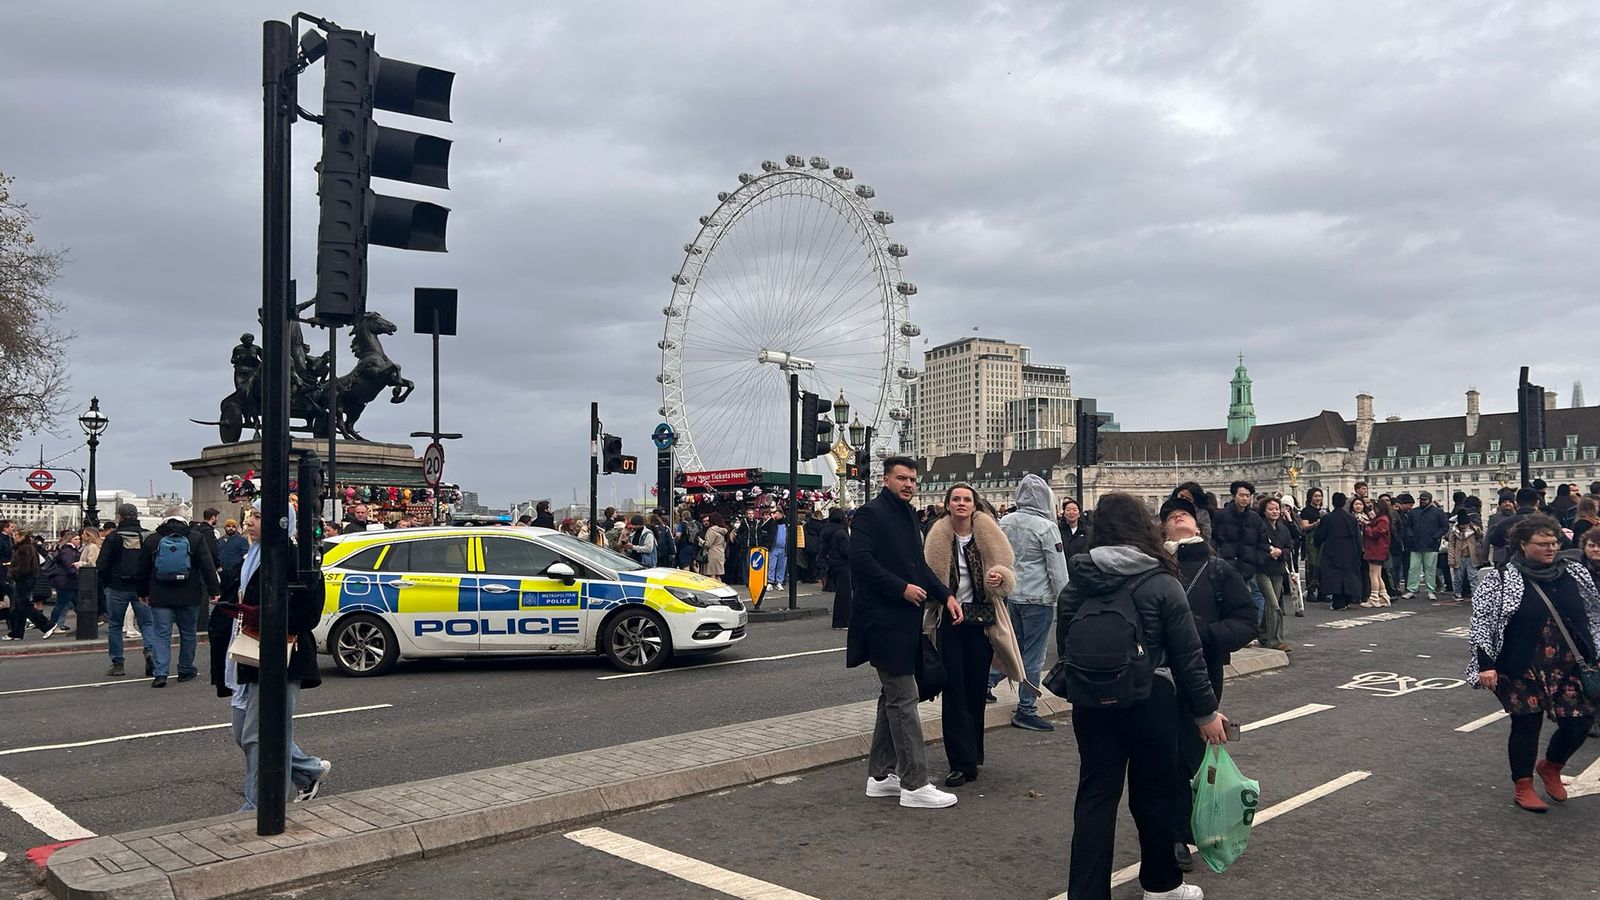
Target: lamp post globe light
(1293, 463)
(93, 422)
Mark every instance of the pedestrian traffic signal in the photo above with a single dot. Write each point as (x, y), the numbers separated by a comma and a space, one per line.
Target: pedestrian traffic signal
(816, 426)
(611, 461)
(1531, 400)
(1088, 439)
(355, 149)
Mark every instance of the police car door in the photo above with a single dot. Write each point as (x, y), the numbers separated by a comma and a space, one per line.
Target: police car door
(438, 595)
(521, 608)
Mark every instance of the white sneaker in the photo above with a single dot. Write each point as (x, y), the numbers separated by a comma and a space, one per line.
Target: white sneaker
(45, 635)
(309, 792)
(1181, 892)
(887, 786)
(927, 797)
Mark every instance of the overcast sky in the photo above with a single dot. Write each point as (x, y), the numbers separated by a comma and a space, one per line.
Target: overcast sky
(1373, 197)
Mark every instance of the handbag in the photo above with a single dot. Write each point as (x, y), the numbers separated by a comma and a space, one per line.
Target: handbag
(1587, 674)
(977, 612)
(245, 649)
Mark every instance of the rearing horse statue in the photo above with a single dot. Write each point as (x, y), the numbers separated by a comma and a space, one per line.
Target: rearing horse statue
(373, 372)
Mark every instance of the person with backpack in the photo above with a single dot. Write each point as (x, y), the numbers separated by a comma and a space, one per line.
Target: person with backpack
(686, 538)
(666, 547)
(176, 575)
(61, 567)
(1128, 648)
(120, 553)
(1224, 615)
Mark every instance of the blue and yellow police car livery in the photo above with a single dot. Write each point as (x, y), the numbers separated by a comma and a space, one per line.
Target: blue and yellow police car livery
(420, 592)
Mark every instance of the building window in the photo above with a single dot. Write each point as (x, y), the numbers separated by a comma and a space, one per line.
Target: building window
(1474, 459)
(1461, 446)
(1438, 460)
(1423, 450)
(1405, 463)
(1388, 464)
(1572, 440)
(1455, 459)
(1389, 451)
(1511, 457)
(1422, 462)
(1550, 455)
(1589, 453)
(1494, 457)
(1372, 464)
(1389, 481)
(1569, 454)
(1494, 445)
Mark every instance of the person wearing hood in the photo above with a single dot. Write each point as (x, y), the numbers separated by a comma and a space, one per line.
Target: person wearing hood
(1137, 742)
(968, 552)
(1224, 615)
(1534, 625)
(1041, 568)
(176, 574)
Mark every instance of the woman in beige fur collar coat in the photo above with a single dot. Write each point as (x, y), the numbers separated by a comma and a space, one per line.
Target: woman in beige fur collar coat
(967, 549)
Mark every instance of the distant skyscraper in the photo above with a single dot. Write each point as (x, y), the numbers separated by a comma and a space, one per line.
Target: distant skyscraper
(1577, 394)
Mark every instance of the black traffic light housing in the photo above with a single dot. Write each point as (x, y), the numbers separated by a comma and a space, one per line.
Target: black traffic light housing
(1531, 401)
(1088, 439)
(355, 149)
(611, 460)
(816, 426)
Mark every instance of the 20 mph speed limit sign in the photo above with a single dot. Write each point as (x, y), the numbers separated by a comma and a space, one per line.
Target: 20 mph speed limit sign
(433, 464)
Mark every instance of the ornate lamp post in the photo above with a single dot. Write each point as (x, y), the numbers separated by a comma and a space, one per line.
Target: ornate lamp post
(1293, 463)
(1503, 477)
(858, 433)
(93, 422)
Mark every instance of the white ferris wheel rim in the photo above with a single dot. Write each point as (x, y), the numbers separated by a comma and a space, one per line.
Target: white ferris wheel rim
(889, 295)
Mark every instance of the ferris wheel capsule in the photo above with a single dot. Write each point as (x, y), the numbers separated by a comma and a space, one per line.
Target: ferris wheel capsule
(843, 173)
(865, 191)
(898, 250)
(795, 160)
(906, 289)
(770, 166)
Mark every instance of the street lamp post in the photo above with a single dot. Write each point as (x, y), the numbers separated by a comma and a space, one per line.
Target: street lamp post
(93, 422)
(1293, 462)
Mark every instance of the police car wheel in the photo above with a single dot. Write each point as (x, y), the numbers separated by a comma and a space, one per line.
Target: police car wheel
(363, 646)
(636, 640)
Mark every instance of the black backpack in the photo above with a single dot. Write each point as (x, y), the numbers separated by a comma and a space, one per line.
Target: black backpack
(1105, 663)
(130, 546)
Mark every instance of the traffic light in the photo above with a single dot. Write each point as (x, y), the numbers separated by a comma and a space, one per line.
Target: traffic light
(355, 149)
(816, 426)
(1088, 439)
(610, 454)
(1531, 400)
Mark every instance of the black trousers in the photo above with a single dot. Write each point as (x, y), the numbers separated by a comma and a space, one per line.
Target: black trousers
(839, 580)
(1523, 744)
(22, 609)
(1137, 746)
(1191, 752)
(967, 654)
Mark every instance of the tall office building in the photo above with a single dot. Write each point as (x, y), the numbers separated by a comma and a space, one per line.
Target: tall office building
(979, 395)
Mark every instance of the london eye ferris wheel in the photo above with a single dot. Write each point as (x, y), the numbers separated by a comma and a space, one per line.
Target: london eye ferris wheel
(794, 261)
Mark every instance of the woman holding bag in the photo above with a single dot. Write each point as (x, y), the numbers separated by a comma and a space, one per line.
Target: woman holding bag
(969, 552)
(1534, 622)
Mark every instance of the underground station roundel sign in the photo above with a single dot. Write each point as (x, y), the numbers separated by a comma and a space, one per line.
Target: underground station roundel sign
(664, 436)
(41, 480)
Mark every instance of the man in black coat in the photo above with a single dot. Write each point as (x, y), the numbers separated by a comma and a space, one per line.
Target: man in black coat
(1240, 535)
(891, 582)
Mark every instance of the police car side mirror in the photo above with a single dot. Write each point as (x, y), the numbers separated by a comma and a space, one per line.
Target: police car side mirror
(562, 571)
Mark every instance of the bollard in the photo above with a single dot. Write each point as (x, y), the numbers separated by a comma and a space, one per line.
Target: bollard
(88, 604)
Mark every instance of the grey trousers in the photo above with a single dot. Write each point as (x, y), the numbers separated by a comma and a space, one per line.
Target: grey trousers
(897, 742)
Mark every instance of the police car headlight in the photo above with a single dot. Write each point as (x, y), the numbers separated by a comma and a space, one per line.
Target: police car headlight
(694, 597)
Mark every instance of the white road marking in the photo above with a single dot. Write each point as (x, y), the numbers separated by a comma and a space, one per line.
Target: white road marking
(1475, 724)
(1587, 782)
(38, 812)
(1125, 875)
(731, 662)
(148, 734)
(68, 687)
(687, 868)
(1296, 713)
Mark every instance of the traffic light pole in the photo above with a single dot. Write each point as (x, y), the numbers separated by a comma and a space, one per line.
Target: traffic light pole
(1522, 426)
(594, 472)
(278, 108)
(791, 544)
(866, 471)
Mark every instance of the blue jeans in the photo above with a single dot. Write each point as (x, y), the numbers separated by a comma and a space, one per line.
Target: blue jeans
(1260, 601)
(117, 603)
(780, 564)
(161, 650)
(66, 599)
(303, 769)
(1466, 577)
(1031, 621)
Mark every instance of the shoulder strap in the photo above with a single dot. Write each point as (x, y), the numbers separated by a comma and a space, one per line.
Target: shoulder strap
(1554, 614)
(1196, 579)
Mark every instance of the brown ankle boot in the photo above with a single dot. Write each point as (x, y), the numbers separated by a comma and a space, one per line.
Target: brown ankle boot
(1526, 798)
(1550, 774)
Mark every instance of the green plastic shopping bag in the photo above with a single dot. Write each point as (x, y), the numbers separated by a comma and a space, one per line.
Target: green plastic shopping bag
(1224, 806)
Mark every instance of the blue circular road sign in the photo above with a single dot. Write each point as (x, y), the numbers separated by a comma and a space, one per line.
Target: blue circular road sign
(664, 436)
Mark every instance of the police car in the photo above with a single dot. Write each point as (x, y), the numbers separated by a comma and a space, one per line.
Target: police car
(419, 592)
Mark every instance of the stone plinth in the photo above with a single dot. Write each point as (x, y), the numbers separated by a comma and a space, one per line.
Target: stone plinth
(359, 462)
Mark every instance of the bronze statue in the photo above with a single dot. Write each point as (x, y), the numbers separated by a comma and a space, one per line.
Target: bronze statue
(309, 380)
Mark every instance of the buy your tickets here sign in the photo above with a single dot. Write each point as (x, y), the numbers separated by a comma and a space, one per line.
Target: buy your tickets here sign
(717, 477)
